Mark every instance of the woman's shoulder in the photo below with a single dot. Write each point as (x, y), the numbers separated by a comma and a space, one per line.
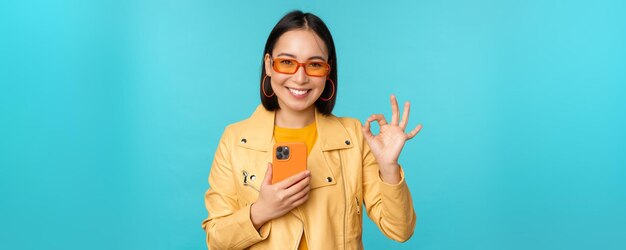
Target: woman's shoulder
(351, 125)
(348, 121)
(256, 128)
(238, 126)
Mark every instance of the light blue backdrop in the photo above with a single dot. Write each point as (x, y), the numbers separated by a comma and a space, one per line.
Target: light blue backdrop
(110, 112)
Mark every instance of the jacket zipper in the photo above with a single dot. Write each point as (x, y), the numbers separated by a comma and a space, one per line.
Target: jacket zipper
(345, 207)
(245, 181)
(358, 206)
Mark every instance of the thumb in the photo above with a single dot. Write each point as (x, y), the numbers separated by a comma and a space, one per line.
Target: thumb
(367, 132)
(268, 175)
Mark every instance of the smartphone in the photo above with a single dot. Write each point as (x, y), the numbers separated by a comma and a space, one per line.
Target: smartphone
(289, 159)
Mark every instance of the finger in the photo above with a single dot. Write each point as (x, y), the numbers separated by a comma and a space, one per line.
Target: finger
(300, 194)
(268, 175)
(301, 201)
(394, 110)
(297, 187)
(414, 132)
(366, 131)
(405, 115)
(291, 180)
(380, 118)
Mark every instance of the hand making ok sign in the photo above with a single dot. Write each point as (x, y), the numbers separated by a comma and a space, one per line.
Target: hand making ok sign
(387, 145)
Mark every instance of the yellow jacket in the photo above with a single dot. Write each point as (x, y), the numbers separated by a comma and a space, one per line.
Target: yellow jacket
(344, 176)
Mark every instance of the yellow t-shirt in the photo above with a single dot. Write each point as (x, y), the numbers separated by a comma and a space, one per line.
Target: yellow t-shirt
(308, 135)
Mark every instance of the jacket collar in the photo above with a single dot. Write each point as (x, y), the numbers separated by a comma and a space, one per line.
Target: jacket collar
(258, 133)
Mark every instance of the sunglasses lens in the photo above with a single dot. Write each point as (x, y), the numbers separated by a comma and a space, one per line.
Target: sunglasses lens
(316, 69)
(285, 66)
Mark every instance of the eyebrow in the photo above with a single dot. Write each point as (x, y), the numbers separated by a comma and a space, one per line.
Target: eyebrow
(292, 56)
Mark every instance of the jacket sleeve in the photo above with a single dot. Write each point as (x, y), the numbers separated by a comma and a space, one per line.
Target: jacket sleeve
(389, 206)
(228, 225)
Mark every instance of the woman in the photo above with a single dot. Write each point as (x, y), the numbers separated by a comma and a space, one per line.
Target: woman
(348, 166)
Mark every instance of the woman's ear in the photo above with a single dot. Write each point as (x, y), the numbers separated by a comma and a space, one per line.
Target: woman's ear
(267, 64)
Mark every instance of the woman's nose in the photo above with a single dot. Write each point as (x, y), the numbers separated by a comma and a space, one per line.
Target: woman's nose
(300, 76)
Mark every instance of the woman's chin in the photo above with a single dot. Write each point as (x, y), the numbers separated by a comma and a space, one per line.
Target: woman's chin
(299, 106)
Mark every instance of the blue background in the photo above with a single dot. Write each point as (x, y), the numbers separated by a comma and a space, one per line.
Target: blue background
(110, 112)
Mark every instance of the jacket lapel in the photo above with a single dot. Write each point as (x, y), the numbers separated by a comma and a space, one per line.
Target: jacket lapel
(259, 131)
(332, 134)
(323, 162)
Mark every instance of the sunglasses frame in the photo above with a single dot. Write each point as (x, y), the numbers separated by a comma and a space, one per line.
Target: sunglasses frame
(298, 64)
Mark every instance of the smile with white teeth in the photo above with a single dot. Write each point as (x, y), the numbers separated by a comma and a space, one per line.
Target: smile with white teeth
(297, 91)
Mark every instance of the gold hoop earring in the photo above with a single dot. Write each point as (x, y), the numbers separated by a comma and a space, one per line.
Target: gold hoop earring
(332, 93)
(263, 87)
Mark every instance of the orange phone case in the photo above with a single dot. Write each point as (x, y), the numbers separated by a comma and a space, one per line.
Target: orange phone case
(293, 164)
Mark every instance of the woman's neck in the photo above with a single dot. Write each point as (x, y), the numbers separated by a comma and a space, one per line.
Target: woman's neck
(295, 119)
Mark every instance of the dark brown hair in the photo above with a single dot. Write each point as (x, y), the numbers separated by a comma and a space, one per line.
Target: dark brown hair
(299, 20)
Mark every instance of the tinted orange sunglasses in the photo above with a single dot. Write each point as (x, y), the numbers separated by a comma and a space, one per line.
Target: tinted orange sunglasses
(291, 66)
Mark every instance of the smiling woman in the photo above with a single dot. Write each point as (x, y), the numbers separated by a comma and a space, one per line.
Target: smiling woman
(300, 37)
(346, 165)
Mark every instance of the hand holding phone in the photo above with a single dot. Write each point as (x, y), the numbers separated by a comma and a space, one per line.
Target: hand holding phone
(288, 182)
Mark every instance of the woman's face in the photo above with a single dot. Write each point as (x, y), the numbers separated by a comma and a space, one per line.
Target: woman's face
(298, 91)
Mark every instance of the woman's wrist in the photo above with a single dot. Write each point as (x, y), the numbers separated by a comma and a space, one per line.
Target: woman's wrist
(256, 216)
(390, 173)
